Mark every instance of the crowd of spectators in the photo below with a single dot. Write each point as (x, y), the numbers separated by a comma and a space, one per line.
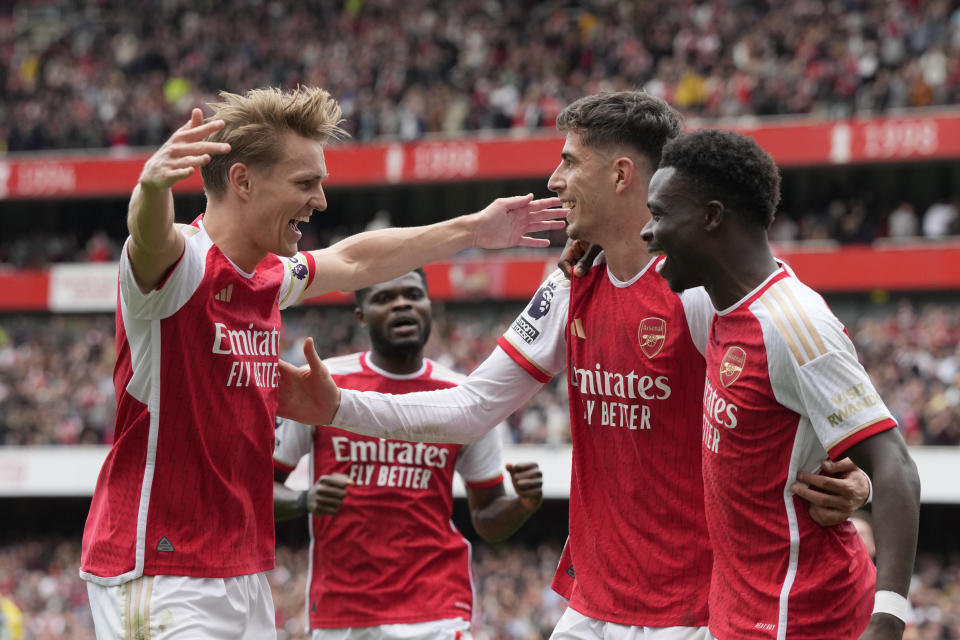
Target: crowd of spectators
(112, 74)
(512, 581)
(56, 385)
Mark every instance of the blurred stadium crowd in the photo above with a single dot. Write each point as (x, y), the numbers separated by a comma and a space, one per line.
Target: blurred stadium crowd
(514, 599)
(107, 73)
(56, 385)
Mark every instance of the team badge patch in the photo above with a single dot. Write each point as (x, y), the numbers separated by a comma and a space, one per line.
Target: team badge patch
(732, 365)
(651, 334)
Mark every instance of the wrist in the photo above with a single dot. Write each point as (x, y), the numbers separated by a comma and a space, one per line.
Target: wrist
(302, 502)
(892, 604)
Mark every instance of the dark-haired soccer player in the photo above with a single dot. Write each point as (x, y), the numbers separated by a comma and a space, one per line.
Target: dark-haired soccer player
(390, 564)
(637, 563)
(784, 387)
(180, 531)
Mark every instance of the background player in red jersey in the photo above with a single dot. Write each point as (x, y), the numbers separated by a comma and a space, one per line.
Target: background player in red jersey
(180, 529)
(390, 564)
(783, 386)
(637, 563)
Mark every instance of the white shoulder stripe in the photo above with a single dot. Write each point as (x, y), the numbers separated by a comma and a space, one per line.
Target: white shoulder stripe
(342, 365)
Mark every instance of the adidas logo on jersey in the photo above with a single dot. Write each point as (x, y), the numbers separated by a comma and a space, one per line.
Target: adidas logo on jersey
(165, 545)
(576, 328)
(225, 294)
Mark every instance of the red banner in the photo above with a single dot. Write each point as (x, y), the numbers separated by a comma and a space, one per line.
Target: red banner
(92, 287)
(792, 143)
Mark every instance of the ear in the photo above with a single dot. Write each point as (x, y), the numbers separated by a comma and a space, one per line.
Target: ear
(625, 172)
(714, 213)
(359, 316)
(240, 179)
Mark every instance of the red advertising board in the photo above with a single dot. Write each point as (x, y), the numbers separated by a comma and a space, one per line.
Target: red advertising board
(532, 155)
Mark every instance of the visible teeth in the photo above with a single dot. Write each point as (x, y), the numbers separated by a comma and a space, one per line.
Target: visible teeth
(567, 205)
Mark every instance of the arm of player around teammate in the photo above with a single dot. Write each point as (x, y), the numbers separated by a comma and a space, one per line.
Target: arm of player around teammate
(495, 516)
(460, 414)
(324, 498)
(896, 513)
(155, 244)
(377, 256)
(835, 493)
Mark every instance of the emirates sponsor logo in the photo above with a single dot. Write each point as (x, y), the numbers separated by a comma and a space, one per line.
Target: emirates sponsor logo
(651, 334)
(732, 365)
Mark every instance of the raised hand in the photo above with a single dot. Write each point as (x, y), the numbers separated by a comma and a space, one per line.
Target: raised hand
(528, 483)
(326, 496)
(307, 394)
(835, 493)
(182, 153)
(506, 221)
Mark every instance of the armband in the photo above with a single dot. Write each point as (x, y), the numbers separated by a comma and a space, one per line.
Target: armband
(892, 604)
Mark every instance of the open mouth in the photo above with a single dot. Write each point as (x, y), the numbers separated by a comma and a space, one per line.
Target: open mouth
(568, 204)
(405, 326)
(294, 224)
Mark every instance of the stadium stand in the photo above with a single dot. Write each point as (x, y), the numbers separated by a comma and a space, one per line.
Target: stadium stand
(408, 69)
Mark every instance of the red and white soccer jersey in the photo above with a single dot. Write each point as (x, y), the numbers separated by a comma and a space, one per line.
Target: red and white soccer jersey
(783, 390)
(638, 541)
(391, 553)
(187, 486)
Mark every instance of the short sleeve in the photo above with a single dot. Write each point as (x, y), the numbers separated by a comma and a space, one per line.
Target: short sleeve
(293, 441)
(698, 308)
(174, 292)
(480, 463)
(298, 274)
(536, 340)
(814, 371)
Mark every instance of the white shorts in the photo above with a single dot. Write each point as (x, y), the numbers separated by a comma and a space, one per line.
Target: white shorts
(182, 608)
(449, 629)
(573, 625)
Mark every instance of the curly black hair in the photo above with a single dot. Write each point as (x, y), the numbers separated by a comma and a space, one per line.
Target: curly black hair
(616, 118)
(730, 167)
(360, 295)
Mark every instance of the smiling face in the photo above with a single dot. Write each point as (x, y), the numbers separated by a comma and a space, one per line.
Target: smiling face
(397, 315)
(581, 181)
(677, 229)
(286, 194)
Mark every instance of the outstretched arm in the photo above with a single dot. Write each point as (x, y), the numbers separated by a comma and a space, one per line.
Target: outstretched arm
(497, 388)
(495, 516)
(896, 512)
(376, 256)
(155, 245)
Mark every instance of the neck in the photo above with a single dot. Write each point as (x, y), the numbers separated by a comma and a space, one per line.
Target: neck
(626, 259)
(226, 230)
(398, 363)
(739, 271)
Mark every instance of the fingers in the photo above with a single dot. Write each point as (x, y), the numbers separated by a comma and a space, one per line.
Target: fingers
(818, 498)
(826, 483)
(521, 467)
(844, 465)
(827, 517)
(547, 214)
(552, 204)
(515, 202)
(338, 480)
(313, 358)
(584, 263)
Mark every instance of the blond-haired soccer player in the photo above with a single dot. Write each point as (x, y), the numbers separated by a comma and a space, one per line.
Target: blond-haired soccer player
(180, 530)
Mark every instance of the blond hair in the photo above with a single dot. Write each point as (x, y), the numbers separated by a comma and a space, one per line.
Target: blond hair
(257, 121)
